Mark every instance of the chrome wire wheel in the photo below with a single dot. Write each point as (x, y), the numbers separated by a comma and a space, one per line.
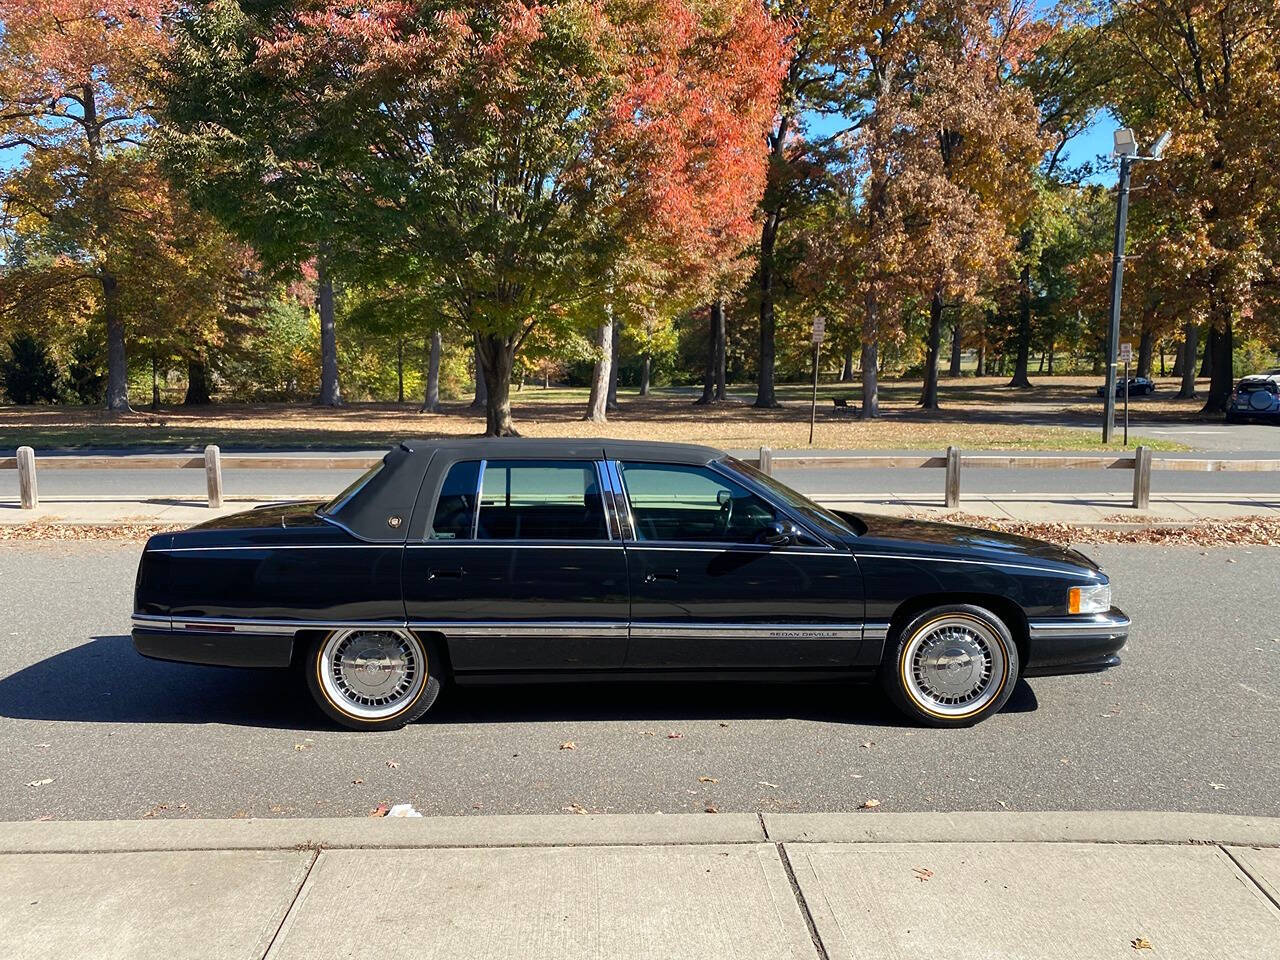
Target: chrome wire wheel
(371, 674)
(953, 666)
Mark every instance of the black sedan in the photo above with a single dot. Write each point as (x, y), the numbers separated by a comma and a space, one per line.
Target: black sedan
(480, 560)
(1138, 387)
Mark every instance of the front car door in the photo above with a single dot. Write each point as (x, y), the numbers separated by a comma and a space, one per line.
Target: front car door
(519, 567)
(708, 592)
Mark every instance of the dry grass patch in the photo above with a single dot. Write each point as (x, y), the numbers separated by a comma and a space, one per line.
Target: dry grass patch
(975, 423)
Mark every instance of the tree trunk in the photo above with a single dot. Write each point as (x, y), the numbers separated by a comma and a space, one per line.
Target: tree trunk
(954, 369)
(846, 368)
(1187, 357)
(1206, 364)
(597, 404)
(1222, 374)
(400, 370)
(1145, 344)
(431, 400)
(870, 336)
(497, 357)
(644, 375)
(713, 385)
(981, 369)
(117, 359)
(1162, 346)
(1051, 345)
(615, 353)
(929, 395)
(155, 383)
(330, 391)
(1020, 377)
(198, 393)
(481, 398)
(1179, 353)
(765, 395)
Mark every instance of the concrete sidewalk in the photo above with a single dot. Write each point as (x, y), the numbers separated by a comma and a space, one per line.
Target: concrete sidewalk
(1083, 508)
(801, 886)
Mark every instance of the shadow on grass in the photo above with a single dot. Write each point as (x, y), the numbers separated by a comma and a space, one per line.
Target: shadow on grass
(105, 681)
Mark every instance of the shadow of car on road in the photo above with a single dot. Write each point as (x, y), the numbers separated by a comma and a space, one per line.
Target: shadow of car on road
(106, 681)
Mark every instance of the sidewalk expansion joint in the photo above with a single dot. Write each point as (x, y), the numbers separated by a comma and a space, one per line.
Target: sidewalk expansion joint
(297, 895)
(796, 892)
(1248, 874)
(764, 827)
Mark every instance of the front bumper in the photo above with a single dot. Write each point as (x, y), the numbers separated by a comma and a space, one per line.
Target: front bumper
(1077, 644)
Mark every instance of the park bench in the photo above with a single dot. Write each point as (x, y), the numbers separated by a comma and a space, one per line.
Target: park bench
(842, 405)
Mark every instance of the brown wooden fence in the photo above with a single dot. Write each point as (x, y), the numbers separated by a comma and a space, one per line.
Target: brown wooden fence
(1142, 462)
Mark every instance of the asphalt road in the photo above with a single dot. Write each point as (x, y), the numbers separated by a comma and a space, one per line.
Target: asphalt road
(1189, 722)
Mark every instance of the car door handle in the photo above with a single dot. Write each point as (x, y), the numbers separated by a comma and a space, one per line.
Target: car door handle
(656, 575)
(450, 574)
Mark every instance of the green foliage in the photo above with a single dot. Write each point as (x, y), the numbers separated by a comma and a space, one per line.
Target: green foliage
(28, 373)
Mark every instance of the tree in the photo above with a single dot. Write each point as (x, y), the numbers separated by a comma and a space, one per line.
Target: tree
(73, 101)
(1207, 71)
(522, 151)
(248, 147)
(975, 145)
(29, 374)
(822, 41)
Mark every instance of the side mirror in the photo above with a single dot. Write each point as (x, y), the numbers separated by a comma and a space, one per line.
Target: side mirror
(780, 533)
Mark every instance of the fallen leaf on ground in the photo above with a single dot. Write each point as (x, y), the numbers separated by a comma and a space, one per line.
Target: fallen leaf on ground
(868, 745)
(708, 780)
(393, 764)
(1218, 786)
(924, 873)
(357, 781)
(869, 804)
(577, 808)
(41, 783)
(673, 735)
(766, 783)
(568, 745)
(379, 811)
(1141, 943)
(1003, 804)
(302, 746)
(711, 809)
(723, 724)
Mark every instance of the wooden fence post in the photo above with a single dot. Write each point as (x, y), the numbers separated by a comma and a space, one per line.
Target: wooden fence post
(213, 474)
(28, 493)
(953, 478)
(1142, 478)
(766, 460)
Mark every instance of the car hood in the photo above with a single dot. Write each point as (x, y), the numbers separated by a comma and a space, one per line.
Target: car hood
(295, 514)
(901, 535)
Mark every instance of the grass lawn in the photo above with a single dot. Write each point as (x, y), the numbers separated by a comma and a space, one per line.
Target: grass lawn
(976, 414)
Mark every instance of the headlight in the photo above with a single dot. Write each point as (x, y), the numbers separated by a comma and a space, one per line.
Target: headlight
(1095, 598)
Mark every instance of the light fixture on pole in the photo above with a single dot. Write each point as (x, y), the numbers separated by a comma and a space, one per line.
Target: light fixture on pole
(1126, 148)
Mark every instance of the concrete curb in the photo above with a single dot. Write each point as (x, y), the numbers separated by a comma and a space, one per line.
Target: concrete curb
(118, 836)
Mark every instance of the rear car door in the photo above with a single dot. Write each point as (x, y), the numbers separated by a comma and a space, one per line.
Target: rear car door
(520, 568)
(707, 592)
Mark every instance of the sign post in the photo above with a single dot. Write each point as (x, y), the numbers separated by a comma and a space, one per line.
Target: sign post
(819, 331)
(1126, 354)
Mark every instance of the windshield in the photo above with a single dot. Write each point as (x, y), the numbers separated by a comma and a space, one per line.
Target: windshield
(819, 516)
(337, 503)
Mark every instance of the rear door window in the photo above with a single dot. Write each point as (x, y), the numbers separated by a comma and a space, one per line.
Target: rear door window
(541, 500)
(456, 507)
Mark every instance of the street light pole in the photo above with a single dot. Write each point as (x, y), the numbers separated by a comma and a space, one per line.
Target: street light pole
(1117, 282)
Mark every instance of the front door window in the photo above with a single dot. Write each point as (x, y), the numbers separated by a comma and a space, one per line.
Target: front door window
(691, 504)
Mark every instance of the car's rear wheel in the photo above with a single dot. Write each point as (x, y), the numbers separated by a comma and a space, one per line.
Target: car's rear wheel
(951, 666)
(374, 679)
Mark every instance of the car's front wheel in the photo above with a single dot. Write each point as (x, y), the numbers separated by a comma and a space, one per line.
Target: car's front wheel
(951, 666)
(373, 679)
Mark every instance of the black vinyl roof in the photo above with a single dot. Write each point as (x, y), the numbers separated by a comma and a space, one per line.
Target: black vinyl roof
(515, 448)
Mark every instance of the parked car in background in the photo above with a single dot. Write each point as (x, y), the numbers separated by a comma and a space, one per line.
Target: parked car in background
(474, 561)
(1138, 386)
(1255, 397)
